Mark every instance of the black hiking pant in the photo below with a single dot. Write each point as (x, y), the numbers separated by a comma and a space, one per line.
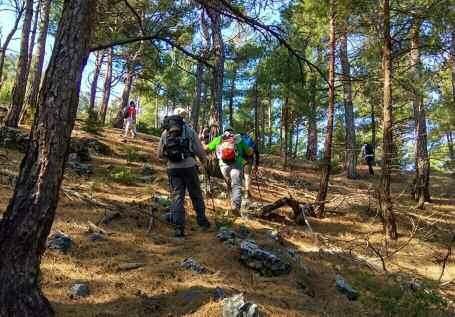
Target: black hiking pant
(370, 161)
(181, 180)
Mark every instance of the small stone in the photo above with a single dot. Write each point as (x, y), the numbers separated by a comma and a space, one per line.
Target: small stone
(59, 242)
(73, 157)
(236, 306)
(265, 262)
(218, 294)
(193, 265)
(344, 288)
(80, 290)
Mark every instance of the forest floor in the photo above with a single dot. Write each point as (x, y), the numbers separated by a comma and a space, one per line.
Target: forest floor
(349, 241)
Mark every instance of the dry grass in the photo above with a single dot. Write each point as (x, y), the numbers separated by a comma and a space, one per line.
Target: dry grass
(162, 288)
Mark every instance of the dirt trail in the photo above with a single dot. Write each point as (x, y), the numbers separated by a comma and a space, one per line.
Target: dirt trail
(162, 288)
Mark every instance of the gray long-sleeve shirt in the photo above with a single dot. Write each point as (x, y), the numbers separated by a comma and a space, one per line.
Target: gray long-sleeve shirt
(195, 145)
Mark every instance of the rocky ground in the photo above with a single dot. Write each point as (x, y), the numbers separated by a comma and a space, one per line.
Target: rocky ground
(106, 258)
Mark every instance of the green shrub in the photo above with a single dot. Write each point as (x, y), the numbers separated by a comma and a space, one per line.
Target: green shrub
(122, 175)
(145, 128)
(91, 124)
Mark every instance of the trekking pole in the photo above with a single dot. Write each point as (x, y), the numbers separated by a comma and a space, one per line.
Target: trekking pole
(210, 187)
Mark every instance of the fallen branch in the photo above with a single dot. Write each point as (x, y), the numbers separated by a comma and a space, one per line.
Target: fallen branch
(301, 210)
(446, 259)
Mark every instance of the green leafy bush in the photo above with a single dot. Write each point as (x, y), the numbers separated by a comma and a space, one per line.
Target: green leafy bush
(122, 175)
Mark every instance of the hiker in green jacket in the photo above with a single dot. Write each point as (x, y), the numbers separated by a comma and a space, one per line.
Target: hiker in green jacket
(231, 152)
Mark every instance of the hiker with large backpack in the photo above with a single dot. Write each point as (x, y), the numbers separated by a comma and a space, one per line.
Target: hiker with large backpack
(252, 162)
(129, 114)
(368, 156)
(179, 145)
(231, 152)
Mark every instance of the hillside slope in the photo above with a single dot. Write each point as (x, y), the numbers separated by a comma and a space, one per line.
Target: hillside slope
(347, 242)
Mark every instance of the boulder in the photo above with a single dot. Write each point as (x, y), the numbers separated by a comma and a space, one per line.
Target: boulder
(59, 242)
(14, 139)
(344, 288)
(79, 290)
(263, 261)
(80, 169)
(193, 265)
(236, 306)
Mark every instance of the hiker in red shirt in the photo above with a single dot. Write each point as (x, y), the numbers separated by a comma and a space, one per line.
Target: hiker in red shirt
(130, 120)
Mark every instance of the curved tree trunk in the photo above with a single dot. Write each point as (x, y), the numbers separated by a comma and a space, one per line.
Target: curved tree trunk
(118, 122)
(5, 45)
(107, 87)
(422, 167)
(20, 84)
(385, 200)
(38, 60)
(324, 183)
(30, 213)
(351, 157)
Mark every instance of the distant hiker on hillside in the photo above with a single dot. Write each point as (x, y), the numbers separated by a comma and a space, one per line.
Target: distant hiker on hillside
(179, 145)
(368, 156)
(130, 119)
(231, 152)
(252, 162)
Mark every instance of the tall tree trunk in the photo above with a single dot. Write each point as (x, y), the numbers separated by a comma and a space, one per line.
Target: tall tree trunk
(20, 84)
(232, 96)
(312, 140)
(256, 114)
(324, 183)
(94, 84)
(385, 200)
(128, 84)
(270, 119)
(38, 60)
(198, 98)
(351, 157)
(5, 45)
(218, 71)
(30, 213)
(107, 87)
(285, 129)
(157, 114)
(422, 176)
(296, 145)
(452, 65)
(33, 34)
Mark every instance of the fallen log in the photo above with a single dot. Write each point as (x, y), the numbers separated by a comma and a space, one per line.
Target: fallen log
(300, 210)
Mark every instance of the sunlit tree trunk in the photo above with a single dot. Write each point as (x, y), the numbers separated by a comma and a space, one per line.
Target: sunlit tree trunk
(128, 84)
(422, 167)
(324, 183)
(232, 96)
(33, 33)
(312, 138)
(30, 213)
(256, 114)
(20, 83)
(38, 60)
(94, 85)
(196, 107)
(107, 87)
(385, 200)
(285, 129)
(351, 157)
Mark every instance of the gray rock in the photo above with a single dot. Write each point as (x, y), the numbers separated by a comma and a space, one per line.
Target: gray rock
(79, 290)
(265, 262)
(218, 294)
(344, 288)
(236, 306)
(193, 265)
(59, 242)
(80, 168)
(244, 232)
(73, 157)
(225, 234)
(96, 237)
(15, 139)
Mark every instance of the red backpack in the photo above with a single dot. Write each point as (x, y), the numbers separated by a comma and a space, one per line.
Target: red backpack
(226, 150)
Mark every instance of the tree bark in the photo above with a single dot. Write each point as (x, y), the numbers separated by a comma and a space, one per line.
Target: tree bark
(38, 60)
(385, 200)
(285, 129)
(20, 84)
(33, 33)
(373, 127)
(128, 84)
(232, 96)
(5, 45)
(312, 140)
(196, 107)
(218, 71)
(256, 114)
(351, 157)
(30, 213)
(94, 84)
(449, 137)
(452, 64)
(107, 87)
(422, 167)
(324, 183)
(270, 119)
